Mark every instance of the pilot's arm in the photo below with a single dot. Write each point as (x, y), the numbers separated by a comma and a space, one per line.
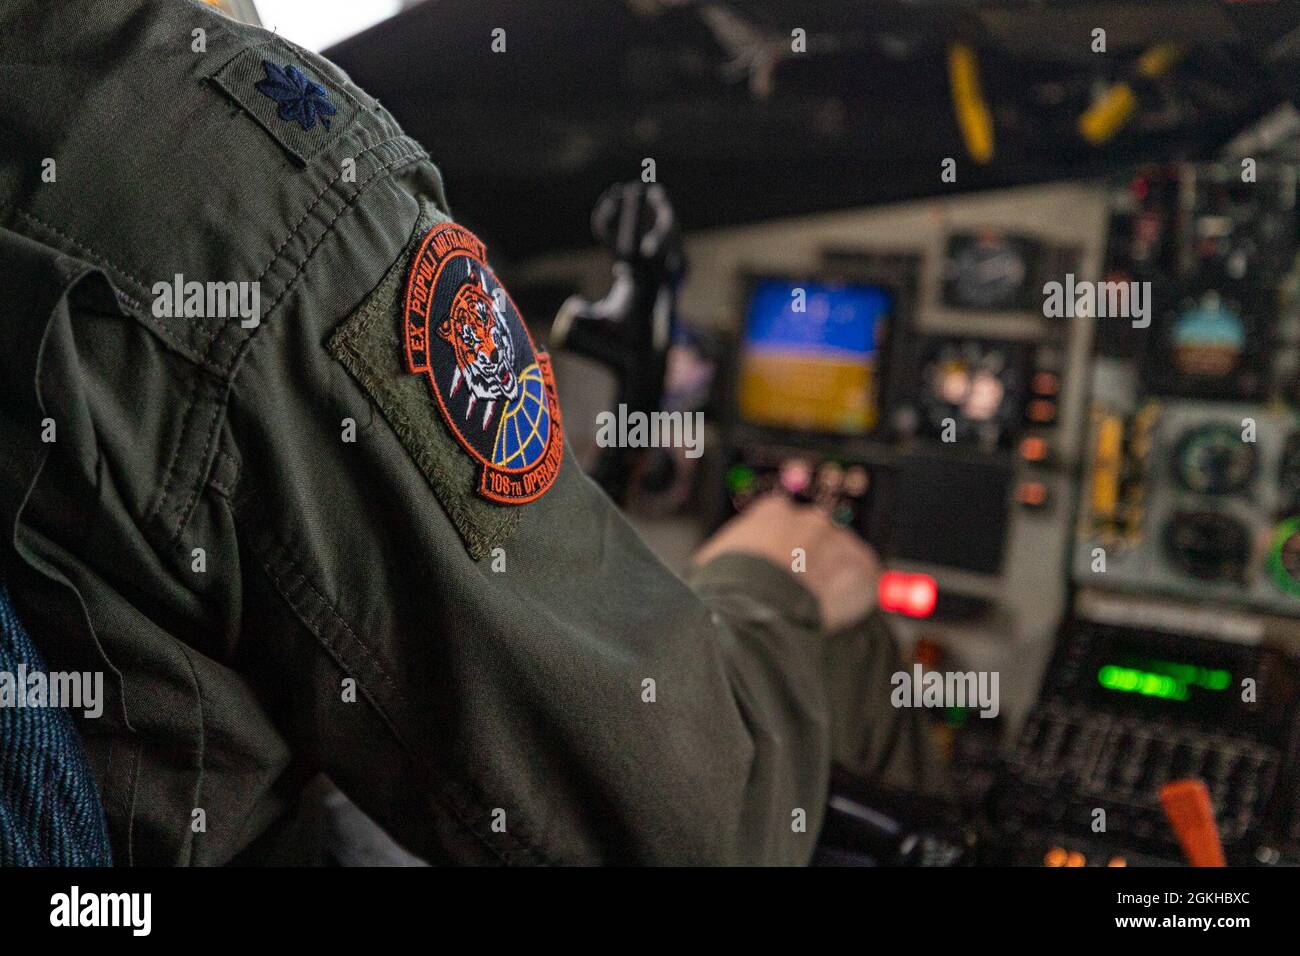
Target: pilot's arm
(348, 537)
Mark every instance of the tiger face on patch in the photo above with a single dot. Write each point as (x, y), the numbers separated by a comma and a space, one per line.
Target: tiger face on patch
(484, 350)
(494, 390)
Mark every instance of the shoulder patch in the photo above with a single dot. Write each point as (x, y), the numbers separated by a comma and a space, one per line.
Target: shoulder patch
(371, 344)
(494, 390)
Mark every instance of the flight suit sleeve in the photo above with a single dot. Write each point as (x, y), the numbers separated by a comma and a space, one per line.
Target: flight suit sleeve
(493, 683)
(189, 764)
(500, 683)
(268, 542)
(876, 741)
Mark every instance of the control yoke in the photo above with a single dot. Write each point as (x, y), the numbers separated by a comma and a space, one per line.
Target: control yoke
(629, 331)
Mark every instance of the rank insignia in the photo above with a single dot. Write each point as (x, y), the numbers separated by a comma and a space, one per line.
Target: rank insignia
(496, 392)
(298, 98)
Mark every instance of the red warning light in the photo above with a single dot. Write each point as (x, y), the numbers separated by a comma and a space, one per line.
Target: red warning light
(913, 595)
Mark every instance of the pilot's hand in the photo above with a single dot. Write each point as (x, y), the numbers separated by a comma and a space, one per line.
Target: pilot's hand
(840, 569)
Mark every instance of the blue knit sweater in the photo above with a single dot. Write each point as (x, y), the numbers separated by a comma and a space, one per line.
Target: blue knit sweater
(50, 812)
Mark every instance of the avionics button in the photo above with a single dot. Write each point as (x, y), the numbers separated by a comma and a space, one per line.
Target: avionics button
(1041, 411)
(1045, 383)
(1032, 494)
(1033, 448)
(913, 595)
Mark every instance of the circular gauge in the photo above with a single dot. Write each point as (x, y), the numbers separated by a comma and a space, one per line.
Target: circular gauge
(984, 272)
(1213, 460)
(1284, 556)
(1208, 339)
(974, 384)
(1207, 545)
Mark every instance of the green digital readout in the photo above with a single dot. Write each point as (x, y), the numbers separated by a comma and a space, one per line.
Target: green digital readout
(1166, 680)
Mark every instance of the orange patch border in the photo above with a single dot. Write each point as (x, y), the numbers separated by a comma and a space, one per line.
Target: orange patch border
(509, 486)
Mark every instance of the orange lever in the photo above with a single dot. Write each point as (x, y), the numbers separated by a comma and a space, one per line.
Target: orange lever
(1187, 805)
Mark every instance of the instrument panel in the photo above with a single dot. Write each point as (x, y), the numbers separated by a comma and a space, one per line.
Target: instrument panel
(1194, 499)
(900, 369)
(972, 429)
(1193, 463)
(1180, 657)
(1125, 711)
(1158, 450)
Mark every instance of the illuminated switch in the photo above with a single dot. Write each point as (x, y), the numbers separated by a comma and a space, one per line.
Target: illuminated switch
(740, 479)
(1046, 384)
(912, 595)
(1041, 411)
(1033, 448)
(796, 475)
(1032, 494)
(1075, 858)
(1056, 856)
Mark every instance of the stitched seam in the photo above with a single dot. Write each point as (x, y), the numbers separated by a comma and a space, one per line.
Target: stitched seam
(136, 759)
(83, 247)
(113, 267)
(329, 228)
(191, 837)
(197, 488)
(164, 490)
(222, 486)
(327, 610)
(156, 512)
(319, 196)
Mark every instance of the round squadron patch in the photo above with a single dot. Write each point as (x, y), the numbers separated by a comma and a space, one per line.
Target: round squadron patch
(497, 394)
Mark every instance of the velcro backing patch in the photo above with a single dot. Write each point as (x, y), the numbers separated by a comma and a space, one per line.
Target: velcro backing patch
(369, 343)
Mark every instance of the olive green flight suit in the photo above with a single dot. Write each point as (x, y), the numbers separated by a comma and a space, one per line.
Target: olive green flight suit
(180, 510)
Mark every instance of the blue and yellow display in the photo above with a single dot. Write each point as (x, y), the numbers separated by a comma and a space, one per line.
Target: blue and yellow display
(810, 355)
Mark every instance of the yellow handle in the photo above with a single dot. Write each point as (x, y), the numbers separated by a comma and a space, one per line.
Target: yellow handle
(973, 116)
(1103, 119)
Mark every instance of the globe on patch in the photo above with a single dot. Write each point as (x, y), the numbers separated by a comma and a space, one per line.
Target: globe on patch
(525, 424)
